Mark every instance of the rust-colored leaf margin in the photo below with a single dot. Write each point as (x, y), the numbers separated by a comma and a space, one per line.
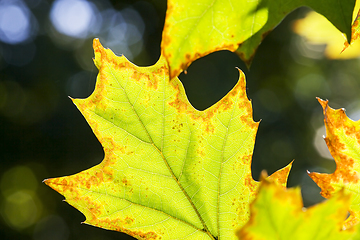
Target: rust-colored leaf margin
(343, 141)
(355, 31)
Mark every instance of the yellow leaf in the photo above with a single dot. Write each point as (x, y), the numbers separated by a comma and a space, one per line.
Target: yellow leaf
(343, 140)
(278, 214)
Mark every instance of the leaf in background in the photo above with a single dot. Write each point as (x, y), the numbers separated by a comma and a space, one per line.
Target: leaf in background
(339, 13)
(279, 214)
(317, 30)
(169, 171)
(198, 27)
(343, 140)
(355, 32)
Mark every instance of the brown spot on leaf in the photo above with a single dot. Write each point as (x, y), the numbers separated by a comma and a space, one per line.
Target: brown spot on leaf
(246, 160)
(178, 103)
(64, 182)
(200, 152)
(93, 207)
(128, 220)
(246, 119)
(251, 184)
(142, 235)
(166, 38)
(125, 182)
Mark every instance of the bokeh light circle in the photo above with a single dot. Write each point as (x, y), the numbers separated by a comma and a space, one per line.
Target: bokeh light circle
(72, 17)
(15, 24)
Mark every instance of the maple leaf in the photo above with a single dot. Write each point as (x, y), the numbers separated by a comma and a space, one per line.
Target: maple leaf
(198, 27)
(343, 141)
(169, 171)
(278, 213)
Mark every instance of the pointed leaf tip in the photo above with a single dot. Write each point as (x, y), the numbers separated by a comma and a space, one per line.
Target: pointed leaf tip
(96, 43)
(280, 177)
(323, 103)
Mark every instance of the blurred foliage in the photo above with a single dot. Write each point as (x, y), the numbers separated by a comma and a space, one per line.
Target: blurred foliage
(44, 135)
(289, 220)
(318, 30)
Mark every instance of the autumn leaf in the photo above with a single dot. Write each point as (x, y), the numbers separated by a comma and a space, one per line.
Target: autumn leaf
(278, 214)
(317, 30)
(169, 171)
(343, 141)
(196, 28)
(355, 33)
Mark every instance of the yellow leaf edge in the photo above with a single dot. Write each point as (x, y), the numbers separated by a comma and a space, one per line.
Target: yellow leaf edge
(345, 174)
(340, 200)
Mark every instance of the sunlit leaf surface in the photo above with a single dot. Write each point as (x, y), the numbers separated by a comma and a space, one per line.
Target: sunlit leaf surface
(343, 140)
(278, 214)
(169, 171)
(198, 27)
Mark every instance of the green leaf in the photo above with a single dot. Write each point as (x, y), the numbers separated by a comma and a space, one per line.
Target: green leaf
(339, 13)
(170, 171)
(279, 214)
(343, 141)
(198, 27)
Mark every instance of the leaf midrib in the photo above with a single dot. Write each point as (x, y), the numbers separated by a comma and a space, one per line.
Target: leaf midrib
(205, 230)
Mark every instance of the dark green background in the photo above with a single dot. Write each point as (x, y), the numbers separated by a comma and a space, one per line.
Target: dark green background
(43, 135)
